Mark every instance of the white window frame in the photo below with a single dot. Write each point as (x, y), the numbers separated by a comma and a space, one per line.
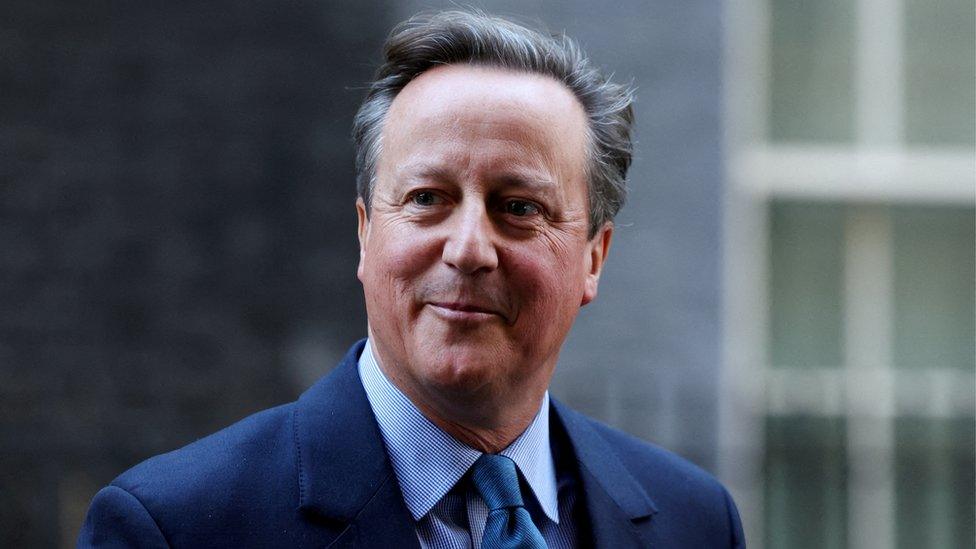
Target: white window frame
(878, 167)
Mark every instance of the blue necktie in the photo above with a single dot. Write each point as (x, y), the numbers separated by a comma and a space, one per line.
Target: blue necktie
(509, 525)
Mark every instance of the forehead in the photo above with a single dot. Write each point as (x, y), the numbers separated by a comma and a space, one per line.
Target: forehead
(463, 104)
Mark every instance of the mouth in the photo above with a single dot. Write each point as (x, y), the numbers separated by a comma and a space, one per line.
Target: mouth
(464, 312)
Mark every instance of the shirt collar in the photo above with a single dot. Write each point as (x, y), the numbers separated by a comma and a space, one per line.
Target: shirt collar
(428, 462)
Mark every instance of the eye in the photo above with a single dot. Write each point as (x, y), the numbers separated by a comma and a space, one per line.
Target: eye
(521, 208)
(425, 198)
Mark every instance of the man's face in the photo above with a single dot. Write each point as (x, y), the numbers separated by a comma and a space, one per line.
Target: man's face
(474, 257)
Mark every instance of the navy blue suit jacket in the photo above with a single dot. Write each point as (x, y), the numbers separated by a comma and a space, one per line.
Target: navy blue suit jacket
(314, 473)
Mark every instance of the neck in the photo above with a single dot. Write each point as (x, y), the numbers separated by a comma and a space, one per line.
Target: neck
(488, 421)
(488, 436)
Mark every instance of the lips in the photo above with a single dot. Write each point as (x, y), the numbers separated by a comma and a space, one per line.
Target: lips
(467, 312)
(464, 307)
(465, 300)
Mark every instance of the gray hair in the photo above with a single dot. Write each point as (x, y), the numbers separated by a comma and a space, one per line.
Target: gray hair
(460, 37)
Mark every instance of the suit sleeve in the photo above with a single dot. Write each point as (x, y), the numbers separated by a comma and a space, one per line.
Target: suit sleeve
(117, 518)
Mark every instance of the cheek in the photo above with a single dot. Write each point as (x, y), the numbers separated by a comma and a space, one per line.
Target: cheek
(393, 265)
(550, 287)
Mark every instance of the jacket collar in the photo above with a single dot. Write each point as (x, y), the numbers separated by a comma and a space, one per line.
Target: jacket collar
(618, 508)
(344, 473)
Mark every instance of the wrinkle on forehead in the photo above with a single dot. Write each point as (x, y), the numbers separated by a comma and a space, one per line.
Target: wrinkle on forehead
(424, 168)
(514, 114)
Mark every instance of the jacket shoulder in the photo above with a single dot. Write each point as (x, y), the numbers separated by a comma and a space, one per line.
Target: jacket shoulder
(655, 466)
(689, 503)
(221, 453)
(247, 484)
(233, 465)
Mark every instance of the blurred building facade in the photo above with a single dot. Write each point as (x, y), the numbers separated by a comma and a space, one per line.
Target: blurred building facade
(848, 418)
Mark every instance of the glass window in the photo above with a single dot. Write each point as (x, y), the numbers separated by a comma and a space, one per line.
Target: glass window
(935, 269)
(935, 476)
(811, 69)
(806, 490)
(806, 241)
(940, 71)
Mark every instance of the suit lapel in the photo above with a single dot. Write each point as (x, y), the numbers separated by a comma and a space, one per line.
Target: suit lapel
(610, 526)
(382, 522)
(619, 509)
(346, 481)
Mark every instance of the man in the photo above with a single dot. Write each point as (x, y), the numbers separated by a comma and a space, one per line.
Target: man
(491, 162)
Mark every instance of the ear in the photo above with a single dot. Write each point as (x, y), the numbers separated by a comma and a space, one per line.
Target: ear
(597, 249)
(363, 232)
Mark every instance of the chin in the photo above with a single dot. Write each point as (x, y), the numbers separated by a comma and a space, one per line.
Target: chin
(461, 371)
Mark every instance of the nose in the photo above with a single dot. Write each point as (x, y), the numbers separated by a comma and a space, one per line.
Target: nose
(470, 246)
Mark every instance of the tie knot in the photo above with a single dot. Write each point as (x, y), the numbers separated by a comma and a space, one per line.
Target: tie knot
(496, 480)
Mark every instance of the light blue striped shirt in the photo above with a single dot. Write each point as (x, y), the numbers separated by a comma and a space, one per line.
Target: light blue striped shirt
(429, 463)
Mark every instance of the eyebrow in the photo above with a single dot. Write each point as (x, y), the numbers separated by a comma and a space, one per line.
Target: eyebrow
(527, 179)
(518, 178)
(423, 170)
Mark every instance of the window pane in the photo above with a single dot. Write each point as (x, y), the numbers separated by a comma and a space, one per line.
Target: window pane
(806, 275)
(811, 55)
(934, 474)
(806, 491)
(940, 71)
(935, 269)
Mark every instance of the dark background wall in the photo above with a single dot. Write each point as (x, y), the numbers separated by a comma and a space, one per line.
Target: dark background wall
(176, 190)
(177, 236)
